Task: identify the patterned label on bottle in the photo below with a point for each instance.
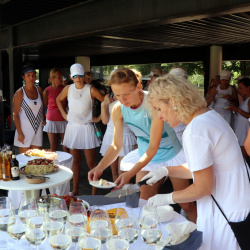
(15, 171)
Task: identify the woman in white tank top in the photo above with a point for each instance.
(28, 112)
(226, 95)
(80, 133)
(241, 125)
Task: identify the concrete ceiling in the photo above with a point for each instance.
(104, 29)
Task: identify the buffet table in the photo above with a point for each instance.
(63, 159)
(138, 244)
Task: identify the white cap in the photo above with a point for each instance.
(76, 69)
(225, 75)
(178, 72)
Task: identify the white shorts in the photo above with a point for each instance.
(129, 161)
(55, 126)
(80, 136)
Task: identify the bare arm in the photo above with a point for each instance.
(41, 94)
(240, 111)
(105, 109)
(247, 143)
(96, 94)
(203, 185)
(59, 101)
(115, 148)
(17, 101)
(45, 97)
(181, 172)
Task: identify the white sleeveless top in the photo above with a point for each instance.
(31, 111)
(80, 104)
(220, 103)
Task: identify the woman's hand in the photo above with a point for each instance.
(94, 174)
(155, 175)
(21, 137)
(44, 122)
(65, 116)
(123, 179)
(161, 200)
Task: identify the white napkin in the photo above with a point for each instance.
(178, 232)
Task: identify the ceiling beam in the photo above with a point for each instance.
(97, 17)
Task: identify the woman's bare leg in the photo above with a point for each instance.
(91, 162)
(53, 141)
(76, 168)
(190, 207)
(146, 190)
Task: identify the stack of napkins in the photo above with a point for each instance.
(165, 213)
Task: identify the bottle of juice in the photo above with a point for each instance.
(6, 167)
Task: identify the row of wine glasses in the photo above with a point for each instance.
(76, 227)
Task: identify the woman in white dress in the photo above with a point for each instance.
(224, 97)
(242, 113)
(214, 161)
(80, 133)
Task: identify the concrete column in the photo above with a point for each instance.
(215, 61)
(85, 61)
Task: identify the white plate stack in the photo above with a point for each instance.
(165, 213)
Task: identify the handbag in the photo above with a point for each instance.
(240, 229)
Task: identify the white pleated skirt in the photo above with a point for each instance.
(133, 157)
(55, 126)
(129, 142)
(80, 136)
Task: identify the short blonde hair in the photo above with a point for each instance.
(53, 73)
(184, 97)
(125, 75)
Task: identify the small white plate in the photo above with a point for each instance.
(96, 184)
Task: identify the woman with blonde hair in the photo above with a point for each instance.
(55, 123)
(156, 148)
(214, 161)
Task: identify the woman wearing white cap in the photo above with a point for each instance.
(80, 133)
(28, 112)
(226, 95)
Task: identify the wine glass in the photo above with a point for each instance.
(151, 230)
(6, 210)
(60, 240)
(131, 233)
(16, 229)
(53, 226)
(146, 210)
(77, 214)
(89, 243)
(123, 217)
(75, 232)
(117, 244)
(35, 232)
(100, 225)
(27, 209)
(58, 209)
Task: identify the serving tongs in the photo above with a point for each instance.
(41, 177)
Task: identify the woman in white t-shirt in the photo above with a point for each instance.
(214, 161)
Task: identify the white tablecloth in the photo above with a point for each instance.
(137, 245)
(63, 158)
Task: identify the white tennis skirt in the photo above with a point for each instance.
(55, 126)
(80, 136)
(129, 142)
(133, 157)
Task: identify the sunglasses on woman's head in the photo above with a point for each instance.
(75, 76)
